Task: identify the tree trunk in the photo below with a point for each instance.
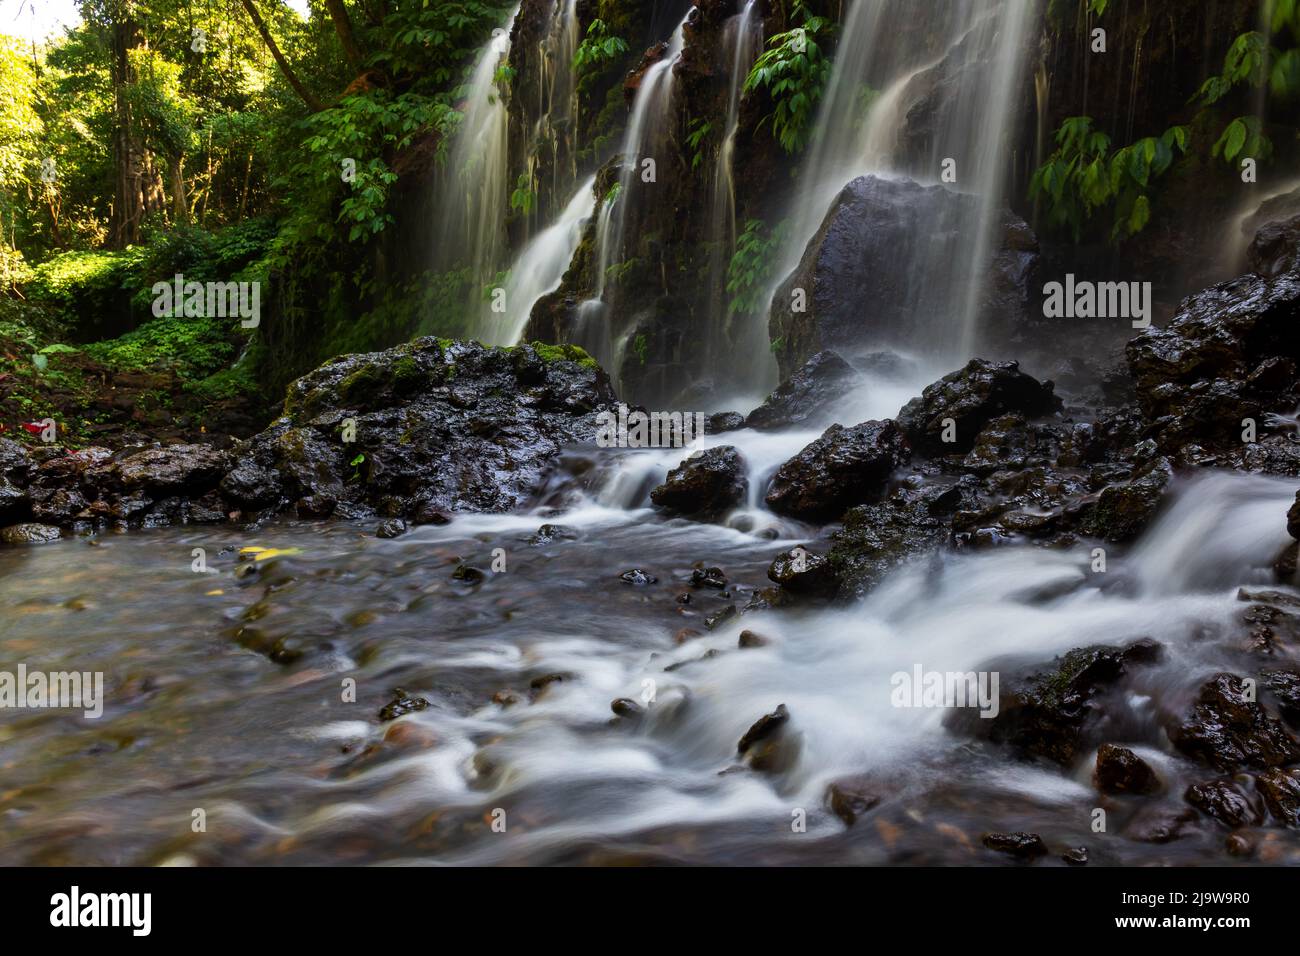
(305, 94)
(180, 200)
(343, 27)
(137, 190)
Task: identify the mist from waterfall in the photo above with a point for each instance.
(886, 66)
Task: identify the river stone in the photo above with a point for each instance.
(1223, 800)
(1281, 792)
(971, 398)
(807, 398)
(29, 533)
(173, 469)
(709, 483)
(1124, 510)
(1120, 770)
(1228, 732)
(1275, 248)
(842, 468)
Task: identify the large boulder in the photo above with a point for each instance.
(808, 396)
(1276, 248)
(844, 467)
(867, 276)
(1230, 353)
(967, 400)
(707, 484)
(451, 426)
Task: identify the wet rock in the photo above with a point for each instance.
(800, 571)
(1023, 846)
(540, 685)
(440, 426)
(174, 469)
(1120, 770)
(401, 704)
(722, 422)
(1228, 732)
(857, 273)
(709, 483)
(638, 578)
(1281, 792)
(550, 533)
(1224, 801)
(1239, 844)
(808, 397)
(719, 618)
(1076, 856)
(29, 533)
(686, 634)
(1227, 355)
(842, 468)
(971, 398)
(252, 486)
(763, 728)
(467, 574)
(1124, 510)
(851, 798)
(392, 528)
(1284, 686)
(878, 538)
(316, 506)
(751, 639)
(14, 502)
(1293, 518)
(627, 708)
(1004, 444)
(708, 577)
(1276, 248)
(57, 507)
(1160, 823)
(1049, 713)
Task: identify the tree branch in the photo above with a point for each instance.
(343, 27)
(314, 104)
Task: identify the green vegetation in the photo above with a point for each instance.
(793, 71)
(598, 47)
(750, 269)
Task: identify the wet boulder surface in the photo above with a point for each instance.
(707, 484)
(808, 396)
(844, 467)
(415, 431)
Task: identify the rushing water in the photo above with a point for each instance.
(286, 770)
(886, 63)
(472, 189)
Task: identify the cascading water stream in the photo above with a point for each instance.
(551, 142)
(981, 57)
(540, 267)
(472, 189)
(646, 126)
(742, 41)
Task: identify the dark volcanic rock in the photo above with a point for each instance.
(29, 533)
(1281, 792)
(800, 571)
(401, 704)
(1224, 801)
(877, 538)
(972, 397)
(851, 797)
(763, 728)
(1047, 713)
(808, 396)
(1293, 518)
(1228, 732)
(1023, 846)
(1124, 510)
(859, 273)
(1229, 354)
(708, 483)
(1275, 248)
(438, 426)
(1120, 770)
(844, 467)
(174, 469)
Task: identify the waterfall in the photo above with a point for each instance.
(645, 129)
(886, 60)
(742, 40)
(472, 190)
(540, 267)
(551, 145)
